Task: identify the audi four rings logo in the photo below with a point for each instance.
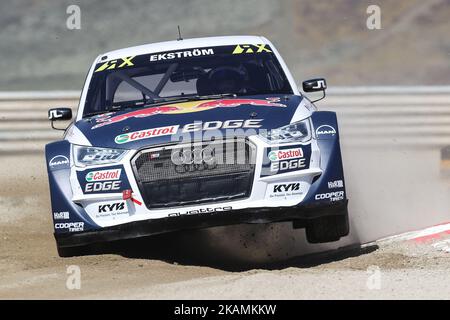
(193, 159)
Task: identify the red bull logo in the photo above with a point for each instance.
(185, 107)
(231, 103)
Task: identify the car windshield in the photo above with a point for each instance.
(187, 74)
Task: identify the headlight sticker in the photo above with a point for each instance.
(90, 156)
(285, 159)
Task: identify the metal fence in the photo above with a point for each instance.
(368, 117)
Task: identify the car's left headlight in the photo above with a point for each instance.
(90, 156)
(295, 132)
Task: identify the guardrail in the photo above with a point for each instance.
(368, 116)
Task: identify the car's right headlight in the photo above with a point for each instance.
(89, 156)
(299, 131)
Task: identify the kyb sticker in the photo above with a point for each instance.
(113, 207)
(285, 190)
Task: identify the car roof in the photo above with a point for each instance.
(182, 44)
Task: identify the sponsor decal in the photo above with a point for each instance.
(63, 215)
(191, 127)
(58, 162)
(117, 207)
(286, 159)
(116, 64)
(279, 188)
(185, 107)
(111, 209)
(70, 226)
(250, 48)
(285, 154)
(325, 130)
(182, 54)
(285, 190)
(229, 124)
(288, 165)
(103, 175)
(102, 186)
(335, 184)
(332, 196)
(201, 211)
(111, 179)
(145, 134)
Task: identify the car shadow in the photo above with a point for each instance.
(175, 248)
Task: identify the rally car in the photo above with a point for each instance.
(190, 134)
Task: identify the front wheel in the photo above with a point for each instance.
(327, 228)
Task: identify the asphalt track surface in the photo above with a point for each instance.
(393, 187)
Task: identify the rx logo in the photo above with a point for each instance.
(109, 65)
(245, 48)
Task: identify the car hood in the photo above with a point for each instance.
(157, 125)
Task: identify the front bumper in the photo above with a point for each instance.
(296, 194)
(200, 221)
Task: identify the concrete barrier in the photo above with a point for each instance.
(368, 117)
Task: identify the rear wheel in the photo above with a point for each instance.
(327, 229)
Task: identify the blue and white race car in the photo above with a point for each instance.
(192, 134)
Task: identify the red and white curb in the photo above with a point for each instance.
(424, 236)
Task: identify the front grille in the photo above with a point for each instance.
(195, 173)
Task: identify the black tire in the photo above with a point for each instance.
(327, 229)
(65, 252)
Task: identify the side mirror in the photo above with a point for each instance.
(59, 114)
(314, 85)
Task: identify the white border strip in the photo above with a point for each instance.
(416, 234)
(39, 95)
(333, 90)
(391, 90)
